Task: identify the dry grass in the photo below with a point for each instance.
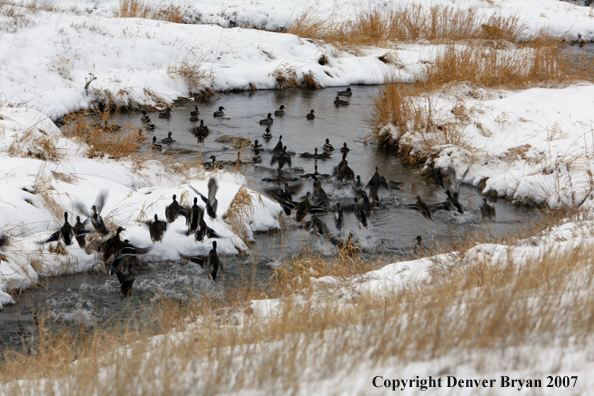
(191, 71)
(287, 77)
(240, 209)
(378, 27)
(144, 9)
(36, 143)
(101, 138)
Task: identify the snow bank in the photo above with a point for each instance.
(36, 192)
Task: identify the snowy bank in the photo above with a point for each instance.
(37, 192)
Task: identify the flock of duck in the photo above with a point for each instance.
(120, 256)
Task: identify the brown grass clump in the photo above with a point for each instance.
(378, 27)
(102, 138)
(36, 143)
(192, 73)
(142, 9)
(239, 210)
(286, 77)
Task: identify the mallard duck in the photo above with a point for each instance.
(419, 248)
(373, 196)
(157, 229)
(344, 172)
(165, 114)
(168, 139)
(358, 183)
(110, 247)
(80, 231)
(257, 158)
(202, 129)
(310, 115)
(304, 207)
(219, 113)
(364, 201)
(377, 180)
(347, 92)
(173, 210)
(344, 149)
(212, 164)
(360, 214)
(65, 233)
(256, 145)
(145, 118)
(279, 146)
(315, 155)
(194, 118)
(487, 211)
(95, 215)
(280, 111)
(453, 201)
(316, 225)
(195, 112)
(338, 216)
(283, 158)
(156, 146)
(211, 201)
(328, 146)
(267, 135)
(268, 120)
(316, 174)
(126, 282)
(195, 214)
(340, 102)
(424, 209)
(210, 263)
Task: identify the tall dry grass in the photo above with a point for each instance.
(148, 10)
(378, 27)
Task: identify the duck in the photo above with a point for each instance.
(283, 158)
(204, 231)
(364, 202)
(126, 282)
(157, 229)
(202, 129)
(80, 231)
(145, 118)
(173, 210)
(96, 219)
(156, 146)
(316, 225)
(315, 155)
(168, 139)
(256, 145)
(338, 216)
(347, 92)
(344, 172)
(212, 164)
(267, 135)
(328, 146)
(360, 214)
(487, 211)
(195, 214)
(194, 118)
(268, 120)
(284, 196)
(257, 158)
(165, 114)
(377, 180)
(111, 246)
(219, 113)
(304, 207)
(453, 202)
(423, 208)
(210, 263)
(419, 248)
(195, 112)
(149, 125)
(310, 115)
(280, 111)
(340, 102)
(344, 149)
(211, 201)
(65, 233)
(373, 195)
(320, 194)
(279, 146)
(358, 183)
(316, 174)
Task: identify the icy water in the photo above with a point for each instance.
(94, 297)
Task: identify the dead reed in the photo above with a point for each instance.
(144, 9)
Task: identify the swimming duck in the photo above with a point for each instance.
(212, 164)
(310, 115)
(268, 120)
(211, 201)
(219, 113)
(267, 135)
(145, 118)
(377, 180)
(358, 183)
(202, 129)
(347, 92)
(328, 146)
(66, 233)
(360, 214)
(126, 282)
(256, 145)
(338, 216)
(165, 114)
(257, 158)
(487, 211)
(195, 112)
(173, 210)
(315, 155)
(344, 149)
(156, 146)
(280, 111)
(194, 118)
(453, 201)
(157, 229)
(168, 139)
(195, 214)
(279, 146)
(340, 102)
(283, 158)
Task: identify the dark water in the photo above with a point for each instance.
(94, 297)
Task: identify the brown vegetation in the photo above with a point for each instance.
(147, 10)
